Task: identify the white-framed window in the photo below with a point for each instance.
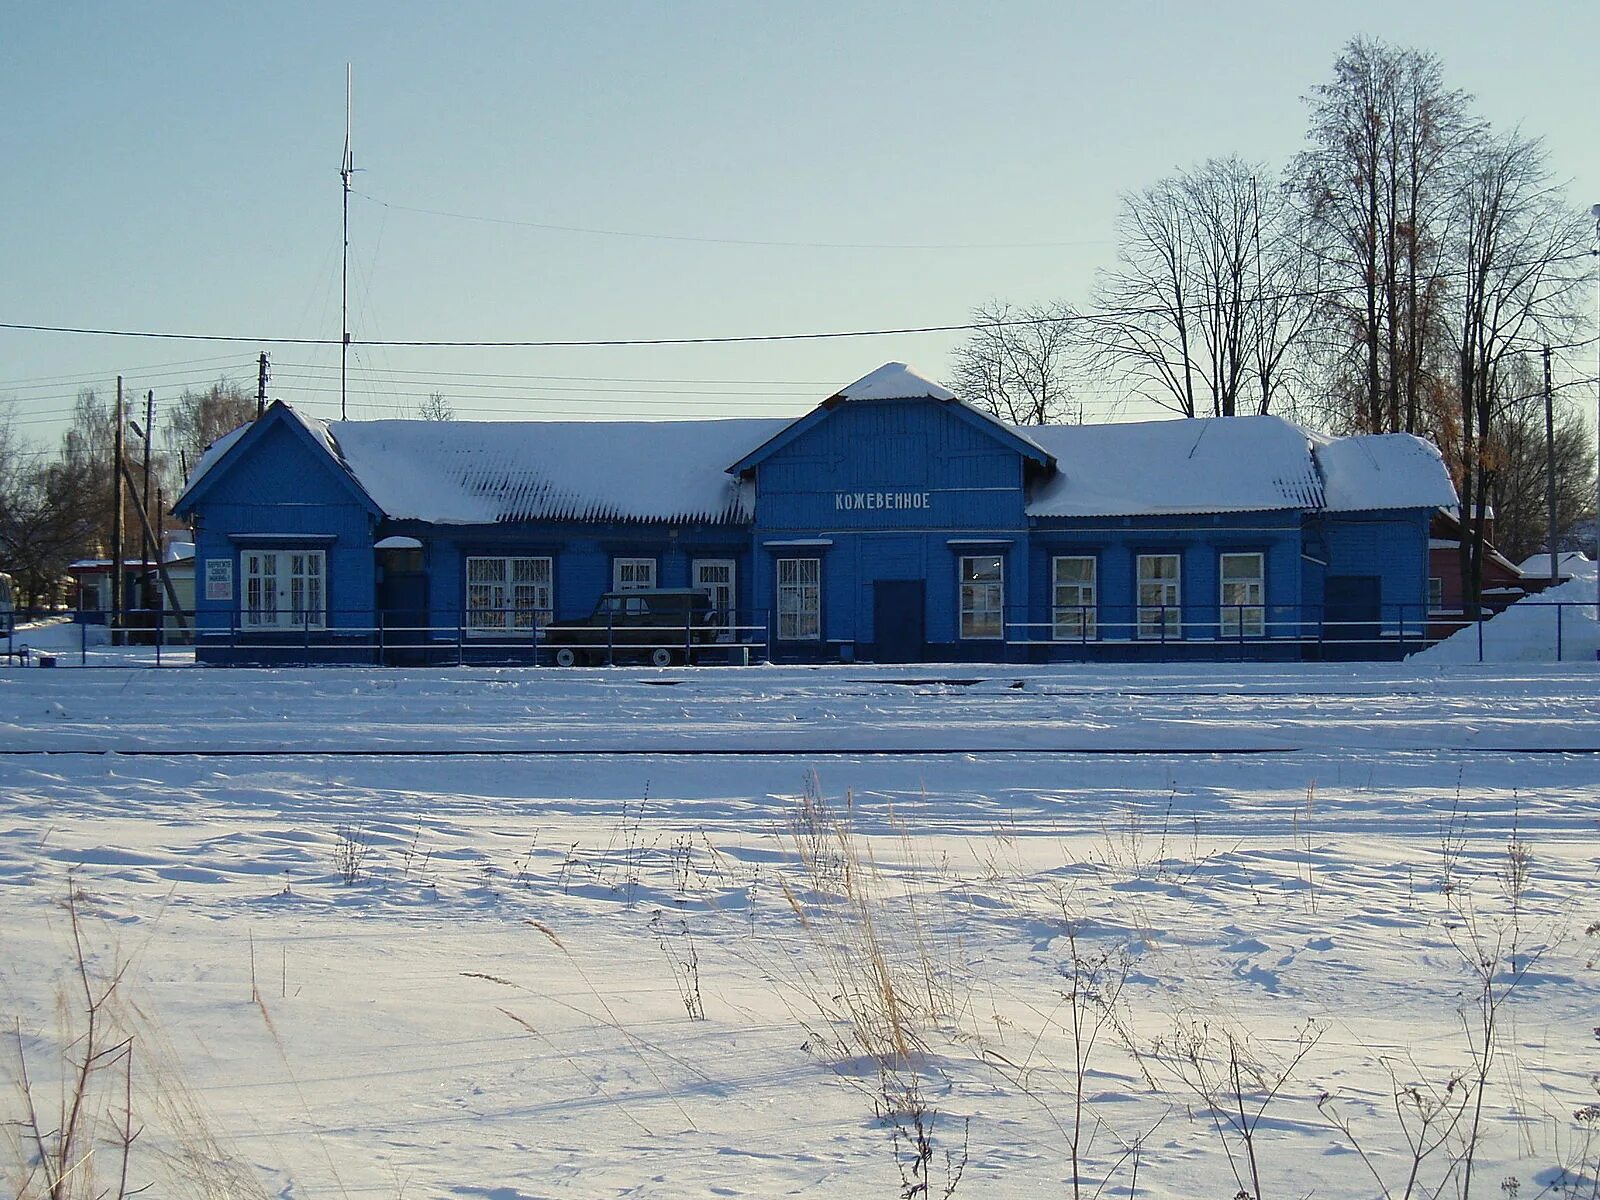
(1243, 590)
(715, 575)
(632, 574)
(1160, 590)
(983, 596)
(1435, 593)
(1073, 600)
(508, 595)
(799, 599)
(284, 589)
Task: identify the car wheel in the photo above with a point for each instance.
(661, 657)
(566, 656)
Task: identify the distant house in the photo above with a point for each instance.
(891, 523)
(92, 583)
(1503, 583)
(1535, 568)
(144, 599)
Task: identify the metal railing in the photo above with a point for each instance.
(1086, 632)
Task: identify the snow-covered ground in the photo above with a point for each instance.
(1556, 625)
(551, 868)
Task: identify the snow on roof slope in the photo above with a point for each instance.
(209, 459)
(482, 472)
(1216, 464)
(1382, 470)
(893, 381)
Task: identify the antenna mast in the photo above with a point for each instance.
(347, 167)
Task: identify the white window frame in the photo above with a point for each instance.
(632, 574)
(1160, 617)
(723, 590)
(508, 595)
(1436, 593)
(1242, 598)
(283, 587)
(1074, 603)
(799, 596)
(983, 600)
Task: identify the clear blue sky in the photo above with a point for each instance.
(175, 167)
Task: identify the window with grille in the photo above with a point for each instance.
(1243, 589)
(1073, 578)
(284, 589)
(508, 595)
(982, 596)
(799, 599)
(632, 574)
(1159, 593)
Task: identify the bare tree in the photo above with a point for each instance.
(1375, 183)
(1205, 305)
(1516, 447)
(196, 419)
(43, 527)
(436, 408)
(1016, 365)
(1518, 250)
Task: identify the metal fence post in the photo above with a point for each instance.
(1559, 607)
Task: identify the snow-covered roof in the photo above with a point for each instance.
(1568, 563)
(1382, 470)
(1220, 464)
(894, 381)
(476, 473)
(483, 472)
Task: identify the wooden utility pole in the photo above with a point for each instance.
(115, 615)
(144, 491)
(1550, 466)
(261, 386)
(161, 568)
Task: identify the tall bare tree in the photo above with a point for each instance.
(1518, 252)
(1376, 186)
(1519, 453)
(1205, 303)
(1017, 366)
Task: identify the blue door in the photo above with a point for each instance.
(1353, 608)
(403, 617)
(897, 620)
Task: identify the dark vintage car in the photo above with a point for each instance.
(660, 626)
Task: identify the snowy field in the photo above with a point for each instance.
(509, 934)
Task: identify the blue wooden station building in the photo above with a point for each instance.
(892, 523)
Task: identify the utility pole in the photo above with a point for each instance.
(116, 519)
(1550, 465)
(261, 386)
(347, 168)
(144, 492)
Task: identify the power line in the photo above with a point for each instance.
(599, 378)
(1066, 317)
(527, 344)
(150, 371)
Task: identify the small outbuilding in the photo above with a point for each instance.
(892, 523)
